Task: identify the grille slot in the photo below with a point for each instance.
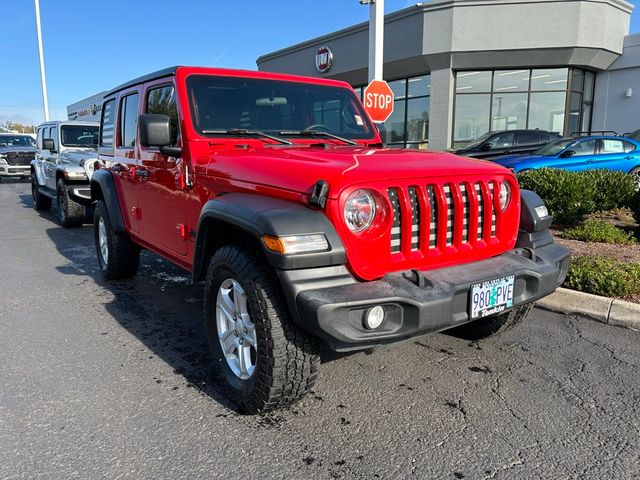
(396, 230)
(433, 217)
(415, 218)
(467, 217)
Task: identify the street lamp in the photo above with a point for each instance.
(43, 79)
(376, 37)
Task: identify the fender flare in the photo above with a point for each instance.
(258, 215)
(104, 188)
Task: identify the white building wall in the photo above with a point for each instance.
(612, 108)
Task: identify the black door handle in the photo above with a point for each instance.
(144, 173)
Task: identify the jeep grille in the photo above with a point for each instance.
(443, 215)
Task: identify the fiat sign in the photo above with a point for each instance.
(324, 59)
(378, 100)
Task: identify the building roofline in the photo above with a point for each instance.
(418, 9)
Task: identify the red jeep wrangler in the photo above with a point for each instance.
(276, 191)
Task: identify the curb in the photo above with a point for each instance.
(603, 309)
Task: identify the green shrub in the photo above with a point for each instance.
(611, 189)
(603, 276)
(599, 231)
(569, 196)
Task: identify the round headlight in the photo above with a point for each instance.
(505, 195)
(359, 211)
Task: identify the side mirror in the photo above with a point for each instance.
(567, 153)
(155, 131)
(486, 147)
(47, 144)
(382, 130)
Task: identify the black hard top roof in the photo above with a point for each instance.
(165, 72)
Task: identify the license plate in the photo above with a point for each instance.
(491, 297)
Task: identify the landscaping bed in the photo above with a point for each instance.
(599, 211)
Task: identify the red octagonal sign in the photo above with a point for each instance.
(378, 100)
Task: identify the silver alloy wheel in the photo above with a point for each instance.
(102, 241)
(236, 331)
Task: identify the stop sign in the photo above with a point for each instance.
(378, 100)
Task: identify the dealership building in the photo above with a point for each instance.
(460, 68)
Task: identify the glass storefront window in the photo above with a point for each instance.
(419, 86)
(395, 124)
(471, 116)
(418, 120)
(473, 82)
(588, 85)
(399, 88)
(546, 111)
(549, 79)
(575, 109)
(509, 111)
(577, 80)
(511, 81)
(522, 99)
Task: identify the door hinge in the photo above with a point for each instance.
(136, 213)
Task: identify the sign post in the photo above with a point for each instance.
(378, 100)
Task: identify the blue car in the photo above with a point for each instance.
(581, 153)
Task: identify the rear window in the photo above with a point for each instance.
(108, 123)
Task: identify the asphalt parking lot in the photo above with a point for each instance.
(112, 380)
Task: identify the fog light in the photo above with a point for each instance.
(374, 317)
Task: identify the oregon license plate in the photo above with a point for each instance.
(491, 297)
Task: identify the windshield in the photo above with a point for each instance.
(554, 148)
(17, 141)
(478, 141)
(230, 103)
(79, 135)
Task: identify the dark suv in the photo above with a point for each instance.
(16, 152)
(506, 142)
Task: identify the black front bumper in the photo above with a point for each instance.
(331, 304)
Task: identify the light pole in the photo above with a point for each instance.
(376, 38)
(43, 78)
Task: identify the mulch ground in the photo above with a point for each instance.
(624, 253)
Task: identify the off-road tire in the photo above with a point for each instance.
(287, 359)
(123, 256)
(40, 202)
(495, 325)
(70, 213)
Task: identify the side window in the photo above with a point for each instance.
(629, 147)
(39, 138)
(128, 121)
(612, 146)
(162, 100)
(108, 123)
(528, 138)
(502, 140)
(585, 147)
(53, 134)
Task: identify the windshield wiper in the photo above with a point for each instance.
(318, 133)
(244, 132)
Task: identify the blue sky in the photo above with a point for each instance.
(91, 46)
